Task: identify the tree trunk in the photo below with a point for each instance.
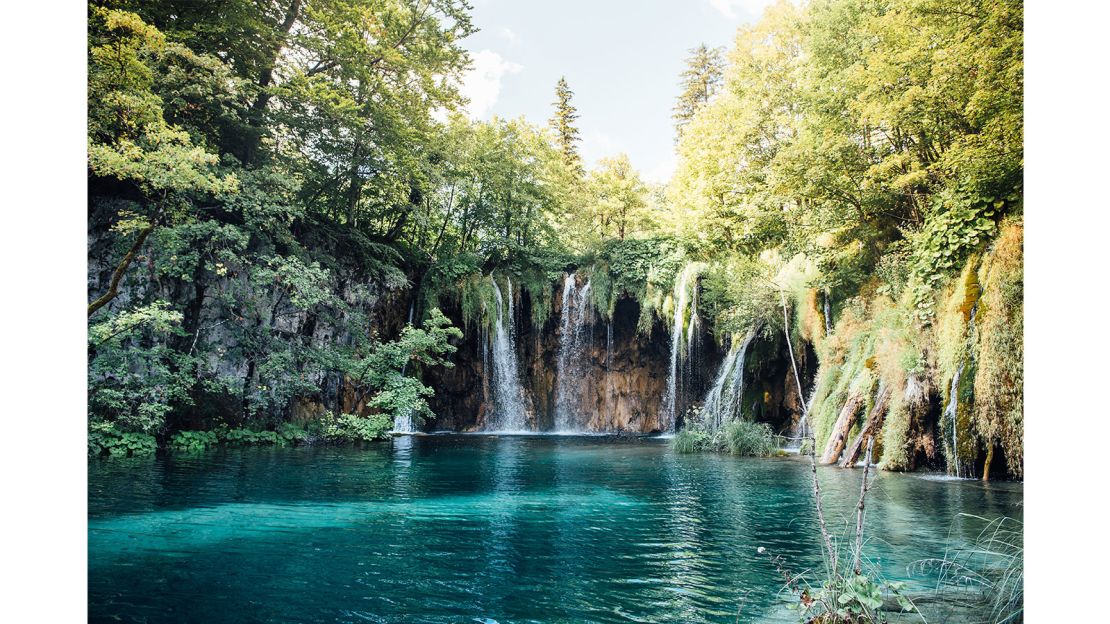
(987, 462)
(117, 275)
(840, 430)
(267, 76)
(870, 428)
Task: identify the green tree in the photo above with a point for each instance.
(563, 124)
(699, 81)
(619, 198)
(130, 140)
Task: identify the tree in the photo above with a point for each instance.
(566, 133)
(619, 196)
(700, 81)
(130, 140)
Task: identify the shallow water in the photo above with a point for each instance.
(449, 528)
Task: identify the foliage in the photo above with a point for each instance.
(191, 441)
(642, 269)
(135, 379)
(106, 439)
(563, 125)
(999, 371)
(692, 441)
(379, 372)
(744, 437)
(618, 199)
(699, 81)
(347, 428)
(740, 437)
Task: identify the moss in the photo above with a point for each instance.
(1000, 373)
(950, 329)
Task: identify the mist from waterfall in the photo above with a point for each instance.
(509, 399)
(723, 402)
(573, 352)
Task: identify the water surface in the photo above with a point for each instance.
(515, 528)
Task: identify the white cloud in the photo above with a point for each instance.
(508, 35)
(750, 8)
(481, 84)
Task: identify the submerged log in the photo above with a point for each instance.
(871, 427)
(840, 430)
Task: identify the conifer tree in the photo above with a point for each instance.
(700, 81)
(566, 132)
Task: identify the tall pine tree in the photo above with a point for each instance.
(566, 133)
(700, 81)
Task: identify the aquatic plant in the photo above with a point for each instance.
(744, 437)
(691, 440)
(992, 567)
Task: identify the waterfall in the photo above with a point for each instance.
(723, 402)
(608, 343)
(681, 299)
(571, 360)
(402, 423)
(950, 412)
(508, 393)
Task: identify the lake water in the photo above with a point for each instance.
(450, 528)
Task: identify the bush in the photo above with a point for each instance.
(248, 437)
(193, 440)
(692, 441)
(354, 428)
(747, 438)
(106, 439)
(740, 437)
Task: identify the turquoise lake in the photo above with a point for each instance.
(453, 528)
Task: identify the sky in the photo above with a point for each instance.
(621, 58)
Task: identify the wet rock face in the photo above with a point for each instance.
(618, 384)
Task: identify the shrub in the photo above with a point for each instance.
(248, 437)
(192, 440)
(739, 437)
(354, 428)
(692, 441)
(747, 438)
(106, 439)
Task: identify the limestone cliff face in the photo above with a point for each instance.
(618, 381)
(619, 378)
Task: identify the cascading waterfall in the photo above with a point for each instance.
(951, 411)
(402, 423)
(723, 402)
(572, 354)
(509, 412)
(681, 298)
(608, 343)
